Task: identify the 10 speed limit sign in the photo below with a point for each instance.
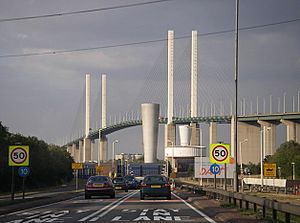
(219, 153)
(18, 156)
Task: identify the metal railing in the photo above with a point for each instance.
(244, 200)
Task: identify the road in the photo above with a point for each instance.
(126, 207)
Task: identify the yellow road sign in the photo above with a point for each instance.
(18, 156)
(77, 166)
(219, 153)
(270, 169)
(99, 169)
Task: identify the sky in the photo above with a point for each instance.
(43, 61)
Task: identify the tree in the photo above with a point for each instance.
(287, 153)
(49, 164)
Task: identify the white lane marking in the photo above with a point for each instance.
(113, 207)
(42, 206)
(105, 207)
(195, 209)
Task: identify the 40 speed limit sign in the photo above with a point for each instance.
(219, 153)
(18, 156)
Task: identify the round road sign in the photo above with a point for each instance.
(215, 169)
(23, 171)
(219, 153)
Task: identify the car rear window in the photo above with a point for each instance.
(155, 179)
(129, 177)
(98, 179)
(118, 180)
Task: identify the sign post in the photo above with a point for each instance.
(76, 167)
(215, 169)
(23, 172)
(220, 154)
(17, 156)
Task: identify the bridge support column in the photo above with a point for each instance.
(212, 133)
(170, 140)
(251, 149)
(93, 151)
(70, 150)
(103, 147)
(269, 136)
(81, 151)
(87, 144)
(195, 136)
(76, 152)
(292, 130)
(170, 135)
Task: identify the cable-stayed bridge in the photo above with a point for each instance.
(179, 105)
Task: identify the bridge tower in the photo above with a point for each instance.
(86, 154)
(170, 128)
(103, 145)
(195, 131)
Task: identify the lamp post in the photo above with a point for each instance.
(113, 154)
(172, 161)
(279, 172)
(262, 147)
(293, 170)
(261, 157)
(201, 166)
(241, 161)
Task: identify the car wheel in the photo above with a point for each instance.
(113, 196)
(126, 190)
(87, 196)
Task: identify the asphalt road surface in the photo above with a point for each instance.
(126, 207)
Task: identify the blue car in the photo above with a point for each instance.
(131, 182)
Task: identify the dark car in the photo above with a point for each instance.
(99, 185)
(155, 186)
(120, 183)
(132, 182)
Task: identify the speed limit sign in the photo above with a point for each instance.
(18, 156)
(219, 153)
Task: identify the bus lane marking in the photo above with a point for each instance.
(107, 208)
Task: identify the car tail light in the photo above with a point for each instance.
(89, 184)
(167, 185)
(145, 185)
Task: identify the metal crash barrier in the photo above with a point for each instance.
(244, 200)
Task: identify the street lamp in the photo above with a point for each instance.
(279, 172)
(241, 161)
(261, 157)
(262, 147)
(293, 170)
(113, 154)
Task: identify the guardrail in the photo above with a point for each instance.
(244, 200)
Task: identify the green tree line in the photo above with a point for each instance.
(285, 155)
(49, 164)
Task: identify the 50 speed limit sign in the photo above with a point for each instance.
(219, 153)
(18, 156)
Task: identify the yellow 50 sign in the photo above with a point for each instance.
(219, 153)
(18, 156)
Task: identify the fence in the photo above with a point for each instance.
(244, 200)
